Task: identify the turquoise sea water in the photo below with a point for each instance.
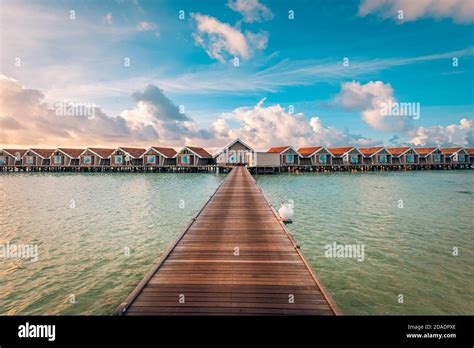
(408, 223)
(98, 234)
(97, 251)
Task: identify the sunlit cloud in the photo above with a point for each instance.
(462, 11)
(251, 10)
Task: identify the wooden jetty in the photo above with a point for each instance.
(235, 258)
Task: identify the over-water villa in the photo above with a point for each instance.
(315, 156)
(11, 157)
(193, 156)
(429, 155)
(157, 156)
(125, 156)
(345, 155)
(470, 152)
(455, 155)
(289, 156)
(275, 159)
(66, 157)
(377, 155)
(94, 156)
(403, 155)
(37, 157)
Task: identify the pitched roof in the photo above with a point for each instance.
(369, 151)
(238, 140)
(13, 152)
(397, 151)
(165, 151)
(199, 151)
(339, 151)
(278, 149)
(101, 152)
(424, 150)
(133, 151)
(308, 151)
(450, 150)
(470, 150)
(45, 153)
(71, 153)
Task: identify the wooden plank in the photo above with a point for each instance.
(235, 258)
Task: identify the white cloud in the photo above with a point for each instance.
(257, 40)
(462, 11)
(221, 128)
(461, 134)
(222, 39)
(251, 10)
(108, 18)
(42, 31)
(27, 120)
(288, 73)
(369, 99)
(155, 109)
(146, 26)
(262, 126)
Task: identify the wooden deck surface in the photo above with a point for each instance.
(235, 258)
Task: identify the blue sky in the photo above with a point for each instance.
(289, 62)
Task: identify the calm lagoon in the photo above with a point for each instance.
(408, 223)
(98, 234)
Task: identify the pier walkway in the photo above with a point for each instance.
(235, 258)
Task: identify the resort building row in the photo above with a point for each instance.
(237, 153)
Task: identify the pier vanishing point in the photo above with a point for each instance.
(235, 258)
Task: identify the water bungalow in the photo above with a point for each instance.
(289, 156)
(346, 155)
(273, 160)
(93, 156)
(157, 156)
(66, 157)
(4, 158)
(470, 153)
(37, 157)
(377, 155)
(429, 155)
(127, 156)
(455, 155)
(403, 155)
(11, 157)
(193, 156)
(314, 156)
(234, 153)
